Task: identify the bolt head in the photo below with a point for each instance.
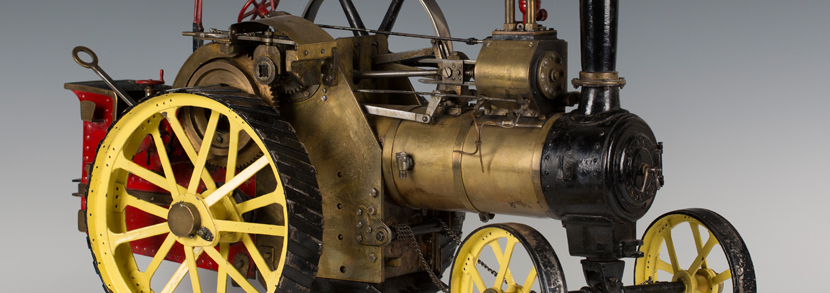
(359, 212)
(359, 237)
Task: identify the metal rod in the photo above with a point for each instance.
(509, 13)
(434, 94)
(423, 228)
(669, 287)
(662, 287)
(531, 11)
(353, 17)
(468, 41)
(394, 73)
(391, 15)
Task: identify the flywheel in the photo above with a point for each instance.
(508, 257)
(679, 246)
(206, 223)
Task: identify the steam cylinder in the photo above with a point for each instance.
(564, 165)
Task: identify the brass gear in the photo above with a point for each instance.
(226, 73)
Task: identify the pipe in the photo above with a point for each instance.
(509, 14)
(598, 37)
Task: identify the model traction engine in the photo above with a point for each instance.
(289, 161)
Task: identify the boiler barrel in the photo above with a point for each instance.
(555, 167)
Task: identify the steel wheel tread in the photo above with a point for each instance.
(296, 181)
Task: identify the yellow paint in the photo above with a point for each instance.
(697, 276)
(109, 238)
(466, 273)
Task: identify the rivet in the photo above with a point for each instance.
(359, 237)
(324, 98)
(359, 212)
(373, 192)
(359, 224)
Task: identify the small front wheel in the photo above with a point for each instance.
(702, 272)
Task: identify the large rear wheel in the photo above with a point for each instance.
(262, 221)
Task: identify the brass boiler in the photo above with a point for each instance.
(549, 167)
(501, 178)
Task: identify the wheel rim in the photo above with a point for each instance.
(506, 242)
(697, 263)
(221, 226)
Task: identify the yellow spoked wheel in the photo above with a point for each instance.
(200, 213)
(679, 246)
(490, 260)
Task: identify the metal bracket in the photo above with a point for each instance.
(369, 229)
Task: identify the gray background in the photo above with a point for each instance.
(736, 90)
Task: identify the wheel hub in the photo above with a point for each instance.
(184, 219)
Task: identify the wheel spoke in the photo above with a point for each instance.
(222, 279)
(187, 146)
(165, 161)
(698, 242)
(250, 228)
(664, 266)
(230, 270)
(237, 180)
(704, 252)
(256, 203)
(504, 261)
(204, 151)
(499, 255)
(473, 273)
(531, 278)
(723, 276)
(259, 261)
(233, 152)
(160, 255)
(144, 206)
(180, 272)
(672, 255)
(117, 239)
(144, 173)
(192, 269)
